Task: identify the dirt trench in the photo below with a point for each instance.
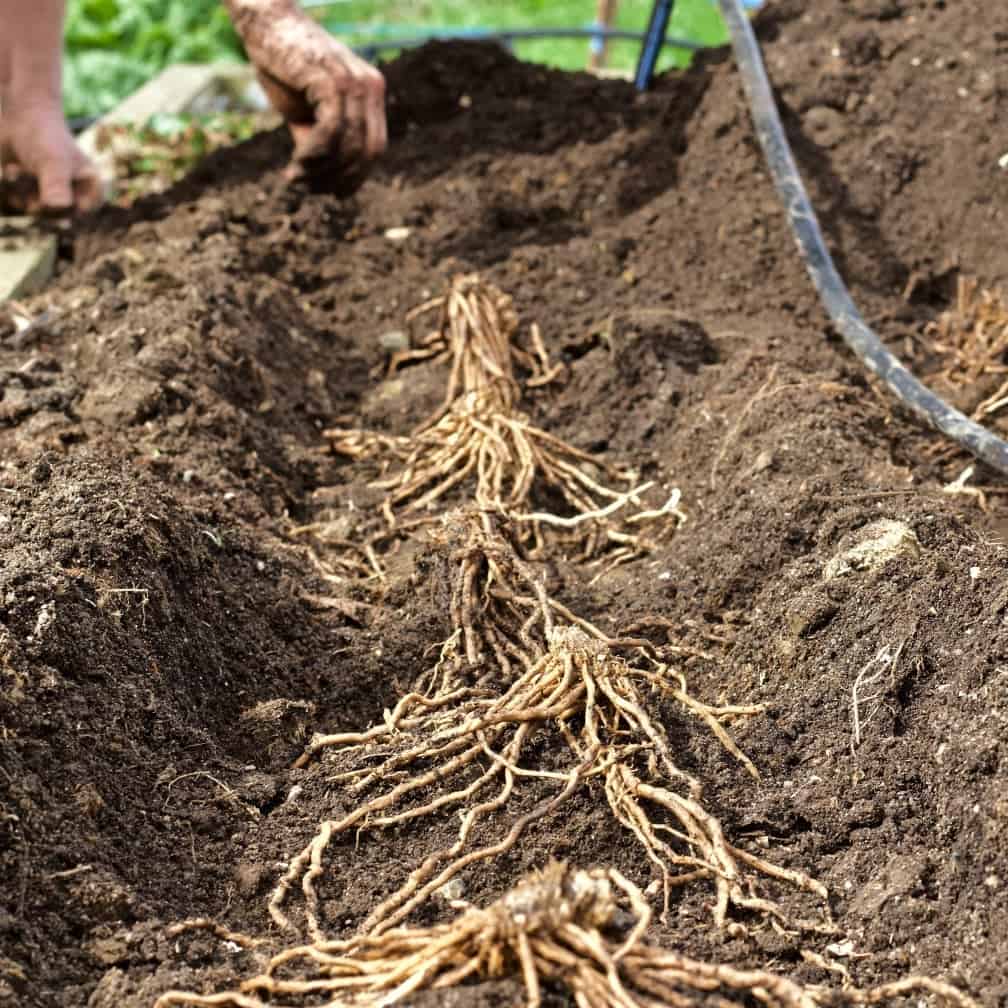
(167, 644)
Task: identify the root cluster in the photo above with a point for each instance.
(480, 440)
(461, 746)
(582, 930)
(477, 331)
(527, 705)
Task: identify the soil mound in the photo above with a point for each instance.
(171, 631)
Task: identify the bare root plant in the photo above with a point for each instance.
(477, 331)
(458, 744)
(478, 437)
(581, 930)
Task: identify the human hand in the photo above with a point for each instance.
(332, 100)
(41, 167)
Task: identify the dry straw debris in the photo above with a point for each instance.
(972, 341)
(581, 930)
(458, 744)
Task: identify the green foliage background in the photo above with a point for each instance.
(115, 46)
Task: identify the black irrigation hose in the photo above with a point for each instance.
(835, 296)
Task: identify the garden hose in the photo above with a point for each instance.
(856, 333)
(371, 46)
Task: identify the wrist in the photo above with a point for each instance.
(30, 99)
(31, 57)
(30, 82)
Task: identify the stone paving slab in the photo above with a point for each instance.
(27, 257)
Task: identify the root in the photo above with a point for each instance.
(478, 331)
(582, 930)
(478, 440)
(458, 744)
(501, 458)
(501, 614)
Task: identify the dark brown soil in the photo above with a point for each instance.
(163, 649)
